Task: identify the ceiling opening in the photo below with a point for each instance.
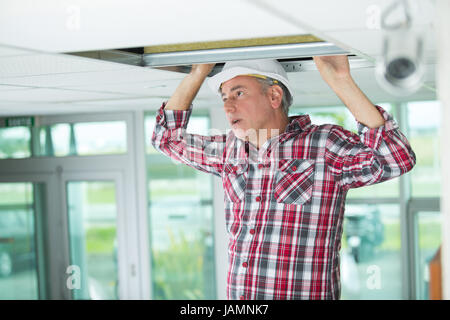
(294, 53)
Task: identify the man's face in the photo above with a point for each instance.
(247, 107)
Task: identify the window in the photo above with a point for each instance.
(93, 238)
(15, 142)
(371, 252)
(83, 139)
(181, 223)
(64, 139)
(424, 136)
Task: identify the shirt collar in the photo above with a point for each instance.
(298, 123)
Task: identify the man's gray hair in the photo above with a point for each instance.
(267, 83)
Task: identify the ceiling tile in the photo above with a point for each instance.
(125, 75)
(150, 88)
(54, 95)
(44, 64)
(6, 51)
(8, 87)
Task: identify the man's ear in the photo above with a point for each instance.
(276, 96)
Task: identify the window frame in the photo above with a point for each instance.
(219, 238)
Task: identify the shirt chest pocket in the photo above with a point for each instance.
(294, 181)
(235, 181)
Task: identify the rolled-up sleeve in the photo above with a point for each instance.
(373, 155)
(204, 153)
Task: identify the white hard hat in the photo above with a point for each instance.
(268, 68)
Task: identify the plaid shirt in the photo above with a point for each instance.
(284, 203)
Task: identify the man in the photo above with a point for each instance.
(285, 180)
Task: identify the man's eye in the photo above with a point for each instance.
(239, 93)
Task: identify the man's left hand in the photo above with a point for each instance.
(333, 68)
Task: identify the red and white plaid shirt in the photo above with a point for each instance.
(284, 203)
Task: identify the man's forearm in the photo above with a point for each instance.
(335, 70)
(188, 88)
(356, 101)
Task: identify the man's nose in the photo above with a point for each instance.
(229, 106)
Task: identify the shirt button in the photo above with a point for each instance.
(242, 298)
(252, 231)
(294, 168)
(245, 265)
(258, 199)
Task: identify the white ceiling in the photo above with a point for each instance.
(37, 77)
(84, 25)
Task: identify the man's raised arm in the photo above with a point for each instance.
(335, 70)
(380, 151)
(188, 88)
(204, 153)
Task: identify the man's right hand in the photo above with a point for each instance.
(202, 69)
(188, 88)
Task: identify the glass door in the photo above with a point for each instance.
(86, 165)
(93, 204)
(22, 210)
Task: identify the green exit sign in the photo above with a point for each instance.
(16, 122)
